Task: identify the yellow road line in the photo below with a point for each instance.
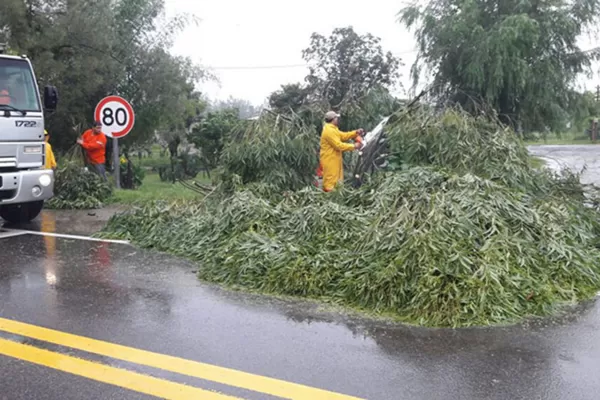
(106, 374)
(226, 376)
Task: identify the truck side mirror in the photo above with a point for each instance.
(50, 98)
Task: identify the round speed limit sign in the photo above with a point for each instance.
(116, 115)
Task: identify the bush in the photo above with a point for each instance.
(77, 188)
(466, 232)
(132, 175)
(184, 166)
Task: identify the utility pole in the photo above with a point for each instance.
(597, 92)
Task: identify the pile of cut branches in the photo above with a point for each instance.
(465, 231)
(76, 188)
(276, 150)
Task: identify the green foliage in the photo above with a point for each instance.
(210, 135)
(184, 166)
(466, 232)
(584, 108)
(132, 175)
(520, 58)
(433, 247)
(291, 97)
(345, 65)
(366, 113)
(462, 144)
(77, 188)
(273, 150)
(348, 72)
(129, 58)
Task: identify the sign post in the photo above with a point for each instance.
(117, 118)
(116, 162)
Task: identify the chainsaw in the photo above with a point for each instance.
(369, 151)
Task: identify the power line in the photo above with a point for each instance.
(261, 67)
(251, 67)
(288, 66)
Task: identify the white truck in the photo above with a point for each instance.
(24, 182)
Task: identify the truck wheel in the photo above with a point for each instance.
(21, 213)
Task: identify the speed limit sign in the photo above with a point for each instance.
(117, 119)
(116, 115)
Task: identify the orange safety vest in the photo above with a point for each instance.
(95, 147)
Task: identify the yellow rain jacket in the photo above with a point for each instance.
(332, 147)
(50, 160)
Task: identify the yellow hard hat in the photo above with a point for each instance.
(45, 132)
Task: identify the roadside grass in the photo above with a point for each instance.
(153, 189)
(152, 161)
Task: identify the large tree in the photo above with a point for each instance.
(345, 66)
(349, 73)
(91, 49)
(518, 57)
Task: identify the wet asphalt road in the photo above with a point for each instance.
(120, 294)
(574, 157)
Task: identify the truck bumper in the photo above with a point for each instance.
(26, 186)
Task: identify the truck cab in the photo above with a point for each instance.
(24, 182)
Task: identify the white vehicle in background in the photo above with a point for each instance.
(24, 183)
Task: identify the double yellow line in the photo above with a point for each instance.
(144, 383)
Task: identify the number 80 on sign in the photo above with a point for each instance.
(116, 115)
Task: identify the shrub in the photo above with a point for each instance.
(184, 166)
(132, 175)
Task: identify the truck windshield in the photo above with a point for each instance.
(17, 87)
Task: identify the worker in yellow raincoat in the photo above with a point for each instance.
(50, 160)
(332, 147)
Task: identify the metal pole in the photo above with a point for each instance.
(116, 163)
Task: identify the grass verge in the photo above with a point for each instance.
(153, 189)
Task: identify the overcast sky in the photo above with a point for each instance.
(259, 33)
(235, 37)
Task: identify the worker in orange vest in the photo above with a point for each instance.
(93, 141)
